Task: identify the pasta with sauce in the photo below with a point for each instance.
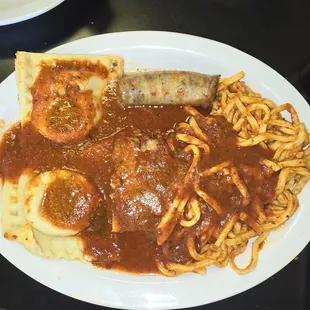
(259, 124)
(150, 190)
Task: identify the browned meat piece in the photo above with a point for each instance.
(145, 172)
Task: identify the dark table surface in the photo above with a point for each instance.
(276, 32)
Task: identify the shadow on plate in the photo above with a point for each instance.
(55, 27)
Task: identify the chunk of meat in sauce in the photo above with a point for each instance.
(145, 172)
(146, 166)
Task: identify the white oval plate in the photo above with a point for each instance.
(14, 11)
(108, 288)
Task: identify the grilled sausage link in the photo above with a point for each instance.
(168, 88)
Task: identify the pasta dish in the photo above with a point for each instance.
(162, 172)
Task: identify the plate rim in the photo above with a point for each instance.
(260, 63)
(23, 17)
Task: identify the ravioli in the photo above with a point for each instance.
(33, 217)
(62, 95)
(60, 202)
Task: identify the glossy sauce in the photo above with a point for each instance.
(137, 251)
(61, 111)
(69, 201)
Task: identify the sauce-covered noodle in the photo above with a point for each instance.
(180, 188)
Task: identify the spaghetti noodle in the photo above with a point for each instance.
(257, 121)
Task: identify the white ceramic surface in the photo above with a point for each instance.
(81, 281)
(14, 11)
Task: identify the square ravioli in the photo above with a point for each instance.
(62, 95)
(16, 227)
